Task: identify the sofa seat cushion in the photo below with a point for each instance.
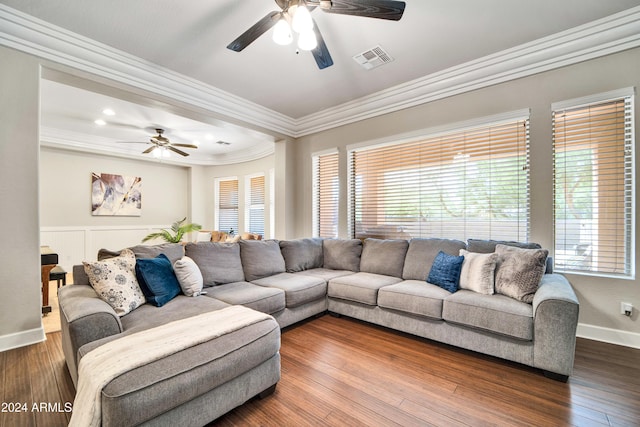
(266, 300)
(496, 313)
(360, 287)
(298, 288)
(155, 388)
(415, 297)
(325, 273)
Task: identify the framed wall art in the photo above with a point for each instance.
(116, 195)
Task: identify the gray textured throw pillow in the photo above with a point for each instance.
(520, 271)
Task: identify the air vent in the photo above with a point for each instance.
(373, 58)
(223, 143)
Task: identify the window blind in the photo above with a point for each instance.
(593, 187)
(228, 205)
(326, 195)
(256, 205)
(471, 183)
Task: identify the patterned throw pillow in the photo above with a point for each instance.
(114, 280)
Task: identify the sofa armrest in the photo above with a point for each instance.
(84, 318)
(555, 312)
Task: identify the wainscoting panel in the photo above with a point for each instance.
(76, 244)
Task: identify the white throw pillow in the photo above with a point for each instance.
(114, 280)
(478, 272)
(189, 276)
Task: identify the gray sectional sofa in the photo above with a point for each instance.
(378, 281)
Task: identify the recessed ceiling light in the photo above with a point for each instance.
(100, 122)
(108, 112)
(208, 137)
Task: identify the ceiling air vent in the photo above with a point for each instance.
(372, 58)
(223, 143)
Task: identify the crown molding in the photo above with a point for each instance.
(39, 38)
(75, 141)
(602, 37)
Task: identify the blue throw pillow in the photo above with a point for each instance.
(445, 271)
(157, 279)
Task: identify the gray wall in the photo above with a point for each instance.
(20, 312)
(599, 297)
(65, 189)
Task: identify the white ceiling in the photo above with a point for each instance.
(190, 38)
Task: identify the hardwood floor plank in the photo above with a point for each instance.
(47, 405)
(18, 389)
(342, 372)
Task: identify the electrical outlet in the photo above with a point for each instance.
(626, 308)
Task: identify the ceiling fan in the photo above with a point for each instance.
(163, 143)
(288, 15)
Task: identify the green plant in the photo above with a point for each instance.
(178, 228)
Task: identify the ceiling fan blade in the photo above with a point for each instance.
(258, 29)
(185, 145)
(175, 150)
(150, 149)
(321, 52)
(382, 9)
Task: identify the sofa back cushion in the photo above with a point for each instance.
(219, 263)
(301, 254)
(173, 251)
(341, 254)
(261, 258)
(384, 256)
(422, 252)
(488, 246)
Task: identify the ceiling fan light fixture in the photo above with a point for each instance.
(307, 40)
(282, 33)
(301, 21)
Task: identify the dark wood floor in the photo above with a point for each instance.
(342, 372)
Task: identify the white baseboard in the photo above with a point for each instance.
(20, 339)
(611, 336)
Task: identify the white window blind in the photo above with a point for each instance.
(228, 205)
(256, 205)
(326, 195)
(472, 183)
(593, 187)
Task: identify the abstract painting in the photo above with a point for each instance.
(115, 195)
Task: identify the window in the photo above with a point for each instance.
(326, 186)
(255, 204)
(469, 182)
(227, 205)
(594, 185)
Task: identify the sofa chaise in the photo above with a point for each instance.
(384, 282)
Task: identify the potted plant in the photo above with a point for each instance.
(178, 229)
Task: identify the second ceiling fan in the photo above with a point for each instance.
(294, 14)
